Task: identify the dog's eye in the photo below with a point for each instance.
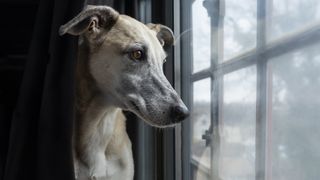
(136, 55)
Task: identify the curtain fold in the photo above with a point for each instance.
(41, 128)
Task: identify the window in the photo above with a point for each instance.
(251, 77)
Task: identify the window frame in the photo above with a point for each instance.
(259, 57)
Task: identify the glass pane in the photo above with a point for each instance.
(200, 118)
(240, 27)
(294, 119)
(201, 36)
(287, 16)
(237, 125)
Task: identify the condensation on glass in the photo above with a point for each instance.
(239, 28)
(237, 125)
(200, 37)
(200, 117)
(286, 140)
(289, 16)
(294, 116)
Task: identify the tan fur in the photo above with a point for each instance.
(108, 81)
(90, 119)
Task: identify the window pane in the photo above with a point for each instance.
(237, 125)
(240, 27)
(200, 118)
(287, 16)
(201, 36)
(294, 119)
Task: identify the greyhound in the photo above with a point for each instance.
(119, 68)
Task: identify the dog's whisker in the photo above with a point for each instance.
(181, 34)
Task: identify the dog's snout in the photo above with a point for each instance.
(179, 113)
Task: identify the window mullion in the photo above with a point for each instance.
(261, 114)
(186, 86)
(215, 10)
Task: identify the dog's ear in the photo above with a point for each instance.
(92, 20)
(164, 34)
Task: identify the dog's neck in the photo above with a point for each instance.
(93, 111)
(94, 114)
(86, 88)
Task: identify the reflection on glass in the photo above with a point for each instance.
(294, 119)
(200, 118)
(287, 16)
(237, 125)
(201, 36)
(240, 27)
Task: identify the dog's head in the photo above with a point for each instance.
(126, 60)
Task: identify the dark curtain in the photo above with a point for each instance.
(41, 127)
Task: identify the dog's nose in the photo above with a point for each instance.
(179, 113)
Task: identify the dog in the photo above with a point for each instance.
(119, 67)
